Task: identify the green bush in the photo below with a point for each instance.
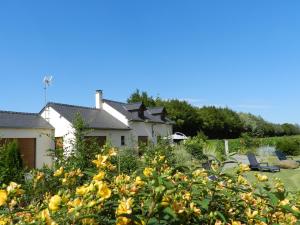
(11, 165)
(290, 146)
(127, 161)
(194, 146)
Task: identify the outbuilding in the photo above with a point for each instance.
(33, 134)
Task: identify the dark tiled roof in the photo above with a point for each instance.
(22, 120)
(123, 109)
(134, 106)
(157, 110)
(94, 118)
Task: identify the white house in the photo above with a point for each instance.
(33, 134)
(119, 123)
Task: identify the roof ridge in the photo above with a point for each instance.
(155, 107)
(21, 113)
(132, 103)
(69, 105)
(109, 100)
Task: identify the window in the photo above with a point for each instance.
(122, 140)
(59, 143)
(100, 140)
(142, 140)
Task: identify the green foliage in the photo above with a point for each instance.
(159, 193)
(11, 165)
(183, 114)
(138, 96)
(84, 147)
(290, 146)
(258, 127)
(215, 123)
(127, 161)
(220, 122)
(195, 146)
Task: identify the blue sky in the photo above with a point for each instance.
(240, 54)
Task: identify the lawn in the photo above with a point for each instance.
(291, 177)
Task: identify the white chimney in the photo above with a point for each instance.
(99, 99)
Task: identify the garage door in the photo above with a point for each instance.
(27, 149)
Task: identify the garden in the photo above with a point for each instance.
(160, 184)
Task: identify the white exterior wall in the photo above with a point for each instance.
(44, 142)
(63, 128)
(152, 130)
(119, 116)
(113, 136)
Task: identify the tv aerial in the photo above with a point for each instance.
(48, 80)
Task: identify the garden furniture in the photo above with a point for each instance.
(264, 166)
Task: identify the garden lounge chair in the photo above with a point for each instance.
(255, 165)
(207, 166)
(282, 156)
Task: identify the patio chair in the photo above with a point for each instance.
(282, 156)
(264, 166)
(207, 166)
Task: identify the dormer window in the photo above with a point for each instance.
(136, 109)
(159, 112)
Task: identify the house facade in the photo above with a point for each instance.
(33, 134)
(120, 124)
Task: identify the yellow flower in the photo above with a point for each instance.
(251, 214)
(236, 223)
(112, 152)
(261, 178)
(75, 203)
(200, 173)
(39, 176)
(161, 158)
(83, 190)
(45, 216)
(3, 197)
(194, 209)
(103, 191)
(242, 180)
(123, 221)
(284, 202)
(138, 181)
(187, 196)
(99, 176)
(89, 221)
(4, 220)
(243, 168)
(14, 187)
(125, 206)
(295, 209)
(100, 161)
(148, 172)
(59, 172)
(54, 203)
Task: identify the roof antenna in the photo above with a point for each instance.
(47, 82)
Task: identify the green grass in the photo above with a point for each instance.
(290, 177)
(241, 145)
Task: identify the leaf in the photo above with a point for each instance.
(205, 204)
(222, 216)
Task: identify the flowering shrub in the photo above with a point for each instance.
(156, 194)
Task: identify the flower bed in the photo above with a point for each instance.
(155, 194)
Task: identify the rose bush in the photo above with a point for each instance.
(155, 194)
